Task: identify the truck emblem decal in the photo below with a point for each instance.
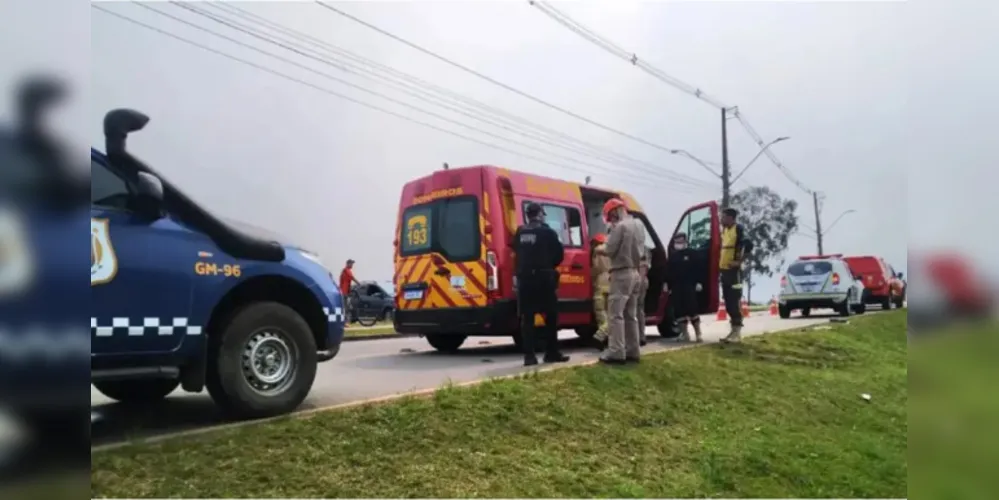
(16, 263)
(103, 262)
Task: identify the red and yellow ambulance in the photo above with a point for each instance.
(454, 267)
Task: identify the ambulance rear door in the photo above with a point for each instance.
(441, 242)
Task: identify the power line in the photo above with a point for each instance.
(327, 91)
(503, 85)
(677, 177)
(618, 51)
(416, 88)
(672, 81)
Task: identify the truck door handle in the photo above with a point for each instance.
(576, 266)
(442, 271)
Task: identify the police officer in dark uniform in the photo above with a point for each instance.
(683, 274)
(539, 253)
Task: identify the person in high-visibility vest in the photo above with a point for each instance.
(735, 248)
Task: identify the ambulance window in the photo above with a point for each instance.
(417, 227)
(458, 229)
(106, 188)
(566, 221)
(699, 229)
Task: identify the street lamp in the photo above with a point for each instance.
(845, 213)
(760, 153)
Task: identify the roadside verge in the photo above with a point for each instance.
(779, 415)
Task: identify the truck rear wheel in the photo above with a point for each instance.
(784, 311)
(446, 343)
(137, 391)
(264, 363)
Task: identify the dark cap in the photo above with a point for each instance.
(350, 261)
(731, 212)
(533, 210)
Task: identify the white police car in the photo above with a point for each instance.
(820, 282)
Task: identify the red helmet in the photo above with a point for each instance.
(611, 205)
(600, 238)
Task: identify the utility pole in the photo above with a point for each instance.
(818, 221)
(726, 174)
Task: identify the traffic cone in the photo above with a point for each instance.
(745, 308)
(773, 307)
(722, 313)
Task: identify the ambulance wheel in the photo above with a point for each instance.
(137, 391)
(785, 312)
(446, 343)
(860, 308)
(667, 329)
(586, 333)
(263, 364)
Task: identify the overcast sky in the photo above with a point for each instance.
(871, 94)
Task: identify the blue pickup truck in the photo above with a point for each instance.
(182, 298)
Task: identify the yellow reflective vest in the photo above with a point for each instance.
(733, 244)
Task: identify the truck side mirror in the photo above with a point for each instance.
(148, 199)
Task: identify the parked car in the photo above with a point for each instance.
(370, 302)
(882, 285)
(820, 282)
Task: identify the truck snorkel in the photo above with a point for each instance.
(118, 123)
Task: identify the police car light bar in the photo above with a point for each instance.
(817, 257)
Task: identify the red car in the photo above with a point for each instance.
(882, 285)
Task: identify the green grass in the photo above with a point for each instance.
(954, 437)
(778, 416)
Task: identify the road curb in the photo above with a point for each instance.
(422, 393)
(380, 336)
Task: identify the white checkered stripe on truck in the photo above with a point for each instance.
(336, 317)
(145, 326)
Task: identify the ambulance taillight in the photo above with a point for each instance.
(492, 278)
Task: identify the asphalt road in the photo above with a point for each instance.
(372, 369)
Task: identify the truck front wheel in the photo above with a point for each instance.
(264, 362)
(137, 391)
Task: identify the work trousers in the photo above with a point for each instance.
(600, 313)
(623, 311)
(731, 285)
(537, 293)
(643, 288)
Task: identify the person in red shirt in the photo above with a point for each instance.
(346, 279)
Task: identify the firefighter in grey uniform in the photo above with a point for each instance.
(539, 253)
(643, 288)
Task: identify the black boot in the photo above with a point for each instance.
(530, 360)
(556, 357)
